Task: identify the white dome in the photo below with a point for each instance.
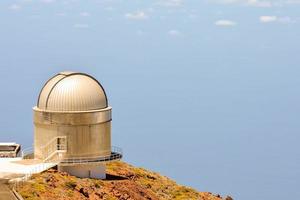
(71, 91)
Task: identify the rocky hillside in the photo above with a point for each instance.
(123, 182)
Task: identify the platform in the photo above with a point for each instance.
(16, 167)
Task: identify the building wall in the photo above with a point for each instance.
(89, 137)
(85, 171)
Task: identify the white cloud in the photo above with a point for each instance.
(293, 1)
(174, 33)
(85, 14)
(171, 3)
(192, 16)
(286, 20)
(257, 3)
(224, 22)
(61, 14)
(15, 7)
(140, 32)
(47, 1)
(109, 8)
(150, 10)
(81, 25)
(139, 15)
(246, 2)
(267, 19)
(283, 20)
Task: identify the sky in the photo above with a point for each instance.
(205, 91)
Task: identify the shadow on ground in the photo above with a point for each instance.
(111, 177)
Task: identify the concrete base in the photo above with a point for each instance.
(85, 171)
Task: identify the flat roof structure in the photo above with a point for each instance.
(9, 150)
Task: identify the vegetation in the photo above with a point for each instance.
(123, 182)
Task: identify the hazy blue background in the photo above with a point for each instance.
(206, 92)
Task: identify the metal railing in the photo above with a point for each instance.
(116, 153)
(17, 183)
(53, 147)
(57, 146)
(27, 153)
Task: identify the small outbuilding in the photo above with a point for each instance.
(72, 125)
(9, 150)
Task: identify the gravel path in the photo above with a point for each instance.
(5, 192)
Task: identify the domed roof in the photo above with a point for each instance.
(71, 91)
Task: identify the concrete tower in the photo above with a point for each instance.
(72, 125)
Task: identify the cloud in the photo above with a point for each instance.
(267, 19)
(257, 3)
(283, 20)
(171, 3)
(15, 7)
(139, 15)
(109, 8)
(174, 33)
(140, 32)
(81, 26)
(48, 1)
(61, 14)
(85, 14)
(224, 22)
(192, 16)
(293, 1)
(286, 20)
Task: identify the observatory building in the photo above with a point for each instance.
(72, 125)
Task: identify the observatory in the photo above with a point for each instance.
(72, 125)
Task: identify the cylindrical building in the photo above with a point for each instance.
(72, 125)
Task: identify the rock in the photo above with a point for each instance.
(85, 192)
